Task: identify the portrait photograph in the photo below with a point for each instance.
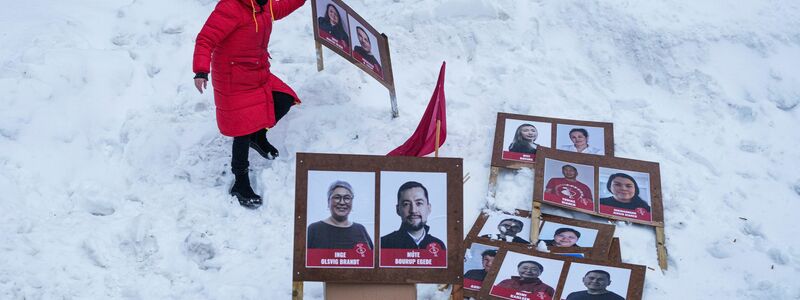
(580, 139)
(569, 184)
(624, 193)
(563, 236)
(340, 219)
(527, 277)
(333, 25)
(413, 219)
(366, 47)
(521, 139)
(507, 228)
(478, 260)
(588, 282)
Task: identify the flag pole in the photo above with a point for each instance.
(436, 145)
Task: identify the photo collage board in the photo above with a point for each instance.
(515, 271)
(575, 168)
(518, 138)
(560, 236)
(379, 219)
(342, 30)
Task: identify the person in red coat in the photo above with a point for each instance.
(232, 46)
(528, 279)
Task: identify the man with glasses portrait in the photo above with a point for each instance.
(508, 230)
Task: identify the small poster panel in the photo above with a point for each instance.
(569, 184)
(478, 259)
(518, 138)
(520, 273)
(590, 281)
(526, 277)
(378, 219)
(341, 219)
(621, 189)
(345, 32)
(508, 228)
(414, 219)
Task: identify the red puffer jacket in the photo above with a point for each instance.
(234, 43)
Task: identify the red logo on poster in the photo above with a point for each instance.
(541, 295)
(433, 248)
(641, 211)
(361, 249)
(585, 201)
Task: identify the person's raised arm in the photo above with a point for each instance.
(282, 8)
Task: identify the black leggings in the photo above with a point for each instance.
(241, 144)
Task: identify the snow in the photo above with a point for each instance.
(115, 178)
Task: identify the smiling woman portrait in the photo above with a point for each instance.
(580, 142)
(524, 139)
(625, 193)
(337, 231)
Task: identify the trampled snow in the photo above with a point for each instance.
(114, 177)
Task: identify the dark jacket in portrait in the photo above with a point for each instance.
(584, 295)
(476, 274)
(336, 32)
(635, 203)
(400, 239)
(522, 148)
(516, 239)
(366, 55)
(322, 235)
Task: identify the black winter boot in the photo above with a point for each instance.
(242, 190)
(259, 142)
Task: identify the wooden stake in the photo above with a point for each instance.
(297, 290)
(661, 248)
(493, 173)
(436, 146)
(457, 293)
(536, 216)
(320, 65)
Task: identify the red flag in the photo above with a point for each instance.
(423, 141)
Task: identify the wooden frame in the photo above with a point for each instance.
(651, 169)
(387, 78)
(635, 280)
(500, 131)
(453, 167)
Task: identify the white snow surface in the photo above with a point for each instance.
(114, 176)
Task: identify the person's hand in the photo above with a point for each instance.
(200, 84)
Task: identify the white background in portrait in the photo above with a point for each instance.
(543, 128)
(363, 184)
(619, 279)
(490, 227)
(375, 50)
(552, 169)
(642, 180)
(550, 275)
(588, 235)
(473, 259)
(322, 6)
(596, 136)
(435, 183)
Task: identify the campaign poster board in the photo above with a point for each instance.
(345, 32)
(478, 259)
(357, 217)
(623, 189)
(576, 238)
(594, 241)
(518, 138)
(513, 275)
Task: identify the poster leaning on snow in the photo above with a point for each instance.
(520, 273)
(377, 219)
(345, 32)
(519, 137)
(610, 187)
